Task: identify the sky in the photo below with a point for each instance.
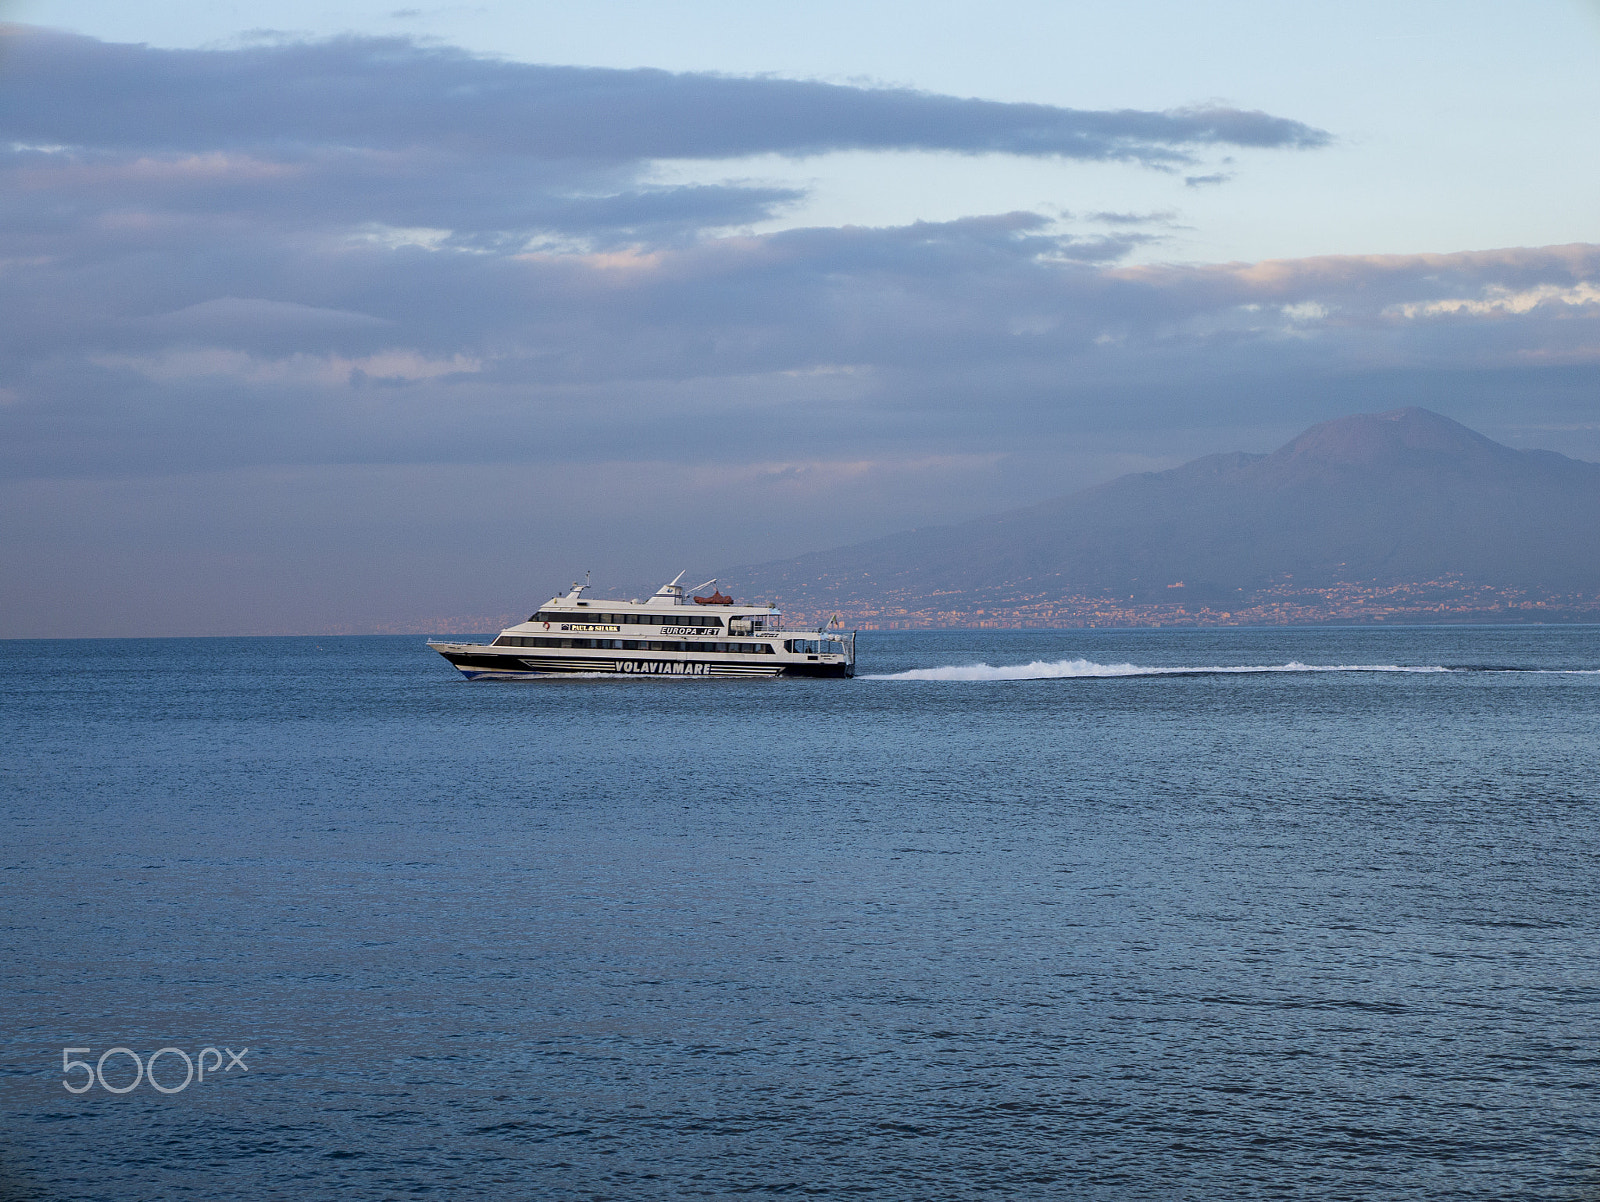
(357, 317)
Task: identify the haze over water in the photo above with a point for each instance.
(1091, 914)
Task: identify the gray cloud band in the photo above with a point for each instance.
(392, 94)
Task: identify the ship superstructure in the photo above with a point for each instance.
(674, 633)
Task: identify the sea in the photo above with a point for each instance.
(1197, 914)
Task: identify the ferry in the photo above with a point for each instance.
(674, 634)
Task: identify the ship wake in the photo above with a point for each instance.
(1069, 669)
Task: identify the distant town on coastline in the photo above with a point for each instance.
(1283, 603)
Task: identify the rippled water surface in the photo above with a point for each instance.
(1070, 914)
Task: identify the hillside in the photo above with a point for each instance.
(1381, 500)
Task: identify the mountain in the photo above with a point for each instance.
(1381, 499)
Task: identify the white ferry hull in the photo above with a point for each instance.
(482, 662)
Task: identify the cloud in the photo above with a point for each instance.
(1497, 299)
(397, 95)
(232, 320)
(230, 367)
(979, 336)
(387, 131)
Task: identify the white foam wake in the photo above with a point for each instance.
(1074, 668)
